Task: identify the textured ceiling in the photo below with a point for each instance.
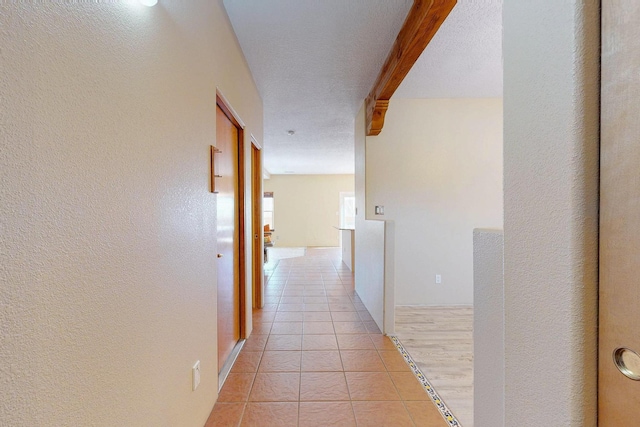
(315, 61)
(464, 58)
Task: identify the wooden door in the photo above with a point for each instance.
(257, 247)
(619, 317)
(227, 142)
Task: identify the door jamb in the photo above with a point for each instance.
(257, 259)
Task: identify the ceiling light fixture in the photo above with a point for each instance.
(149, 2)
(291, 132)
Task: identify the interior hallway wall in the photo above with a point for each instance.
(370, 237)
(307, 208)
(551, 122)
(488, 328)
(107, 225)
(436, 167)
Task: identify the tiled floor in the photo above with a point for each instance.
(316, 358)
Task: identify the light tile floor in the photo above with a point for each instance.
(317, 358)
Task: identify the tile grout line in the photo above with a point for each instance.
(344, 373)
(299, 385)
(404, 402)
(435, 397)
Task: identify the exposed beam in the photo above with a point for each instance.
(422, 23)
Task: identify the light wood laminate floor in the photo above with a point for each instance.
(440, 341)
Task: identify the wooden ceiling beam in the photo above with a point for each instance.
(422, 23)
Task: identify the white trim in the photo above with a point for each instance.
(233, 112)
(255, 142)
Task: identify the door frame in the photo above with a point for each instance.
(232, 115)
(256, 220)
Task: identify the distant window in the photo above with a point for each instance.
(267, 210)
(347, 210)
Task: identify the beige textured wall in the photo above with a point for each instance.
(107, 228)
(307, 207)
(551, 100)
(437, 169)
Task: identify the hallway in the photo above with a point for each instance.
(316, 358)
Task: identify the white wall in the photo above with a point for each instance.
(372, 280)
(437, 170)
(488, 328)
(551, 57)
(307, 208)
(107, 281)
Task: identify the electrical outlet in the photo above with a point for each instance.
(438, 279)
(196, 375)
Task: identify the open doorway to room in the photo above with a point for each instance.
(450, 185)
(434, 175)
(268, 223)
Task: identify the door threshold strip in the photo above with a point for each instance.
(226, 368)
(437, 400)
